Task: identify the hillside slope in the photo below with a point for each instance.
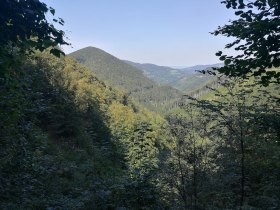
(160, 74)
(69, 140)
(185, 80)
(128, 78)
(192, 69)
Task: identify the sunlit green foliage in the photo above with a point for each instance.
(70, 141)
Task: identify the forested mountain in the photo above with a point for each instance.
(119, 74)
(192, 69)
(185, 79)
(71, 141)
(160, 74)
(68, 141)
(191, 82)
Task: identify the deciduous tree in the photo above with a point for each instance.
(257, 40)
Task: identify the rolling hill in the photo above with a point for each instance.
(116, 73)
(160, 74)
(192, 69)
(185, 79)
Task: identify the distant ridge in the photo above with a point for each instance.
(117, 73)
(160, 74)
(200, 67)
(185, 80)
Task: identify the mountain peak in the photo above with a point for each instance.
(117, 73)
(90, 50)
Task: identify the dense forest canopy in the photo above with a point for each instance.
(72, 137)
(158, 98)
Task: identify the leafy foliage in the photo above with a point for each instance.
(23, 24)
(70, 141)
(59, 139)
(257, 39)
(188, 168)
(239, 109)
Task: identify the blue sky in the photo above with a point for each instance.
(163, 32)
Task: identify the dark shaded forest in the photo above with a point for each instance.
(72, 136)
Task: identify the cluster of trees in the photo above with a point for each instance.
(226, 149)
(69, 141)
(63, 144)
